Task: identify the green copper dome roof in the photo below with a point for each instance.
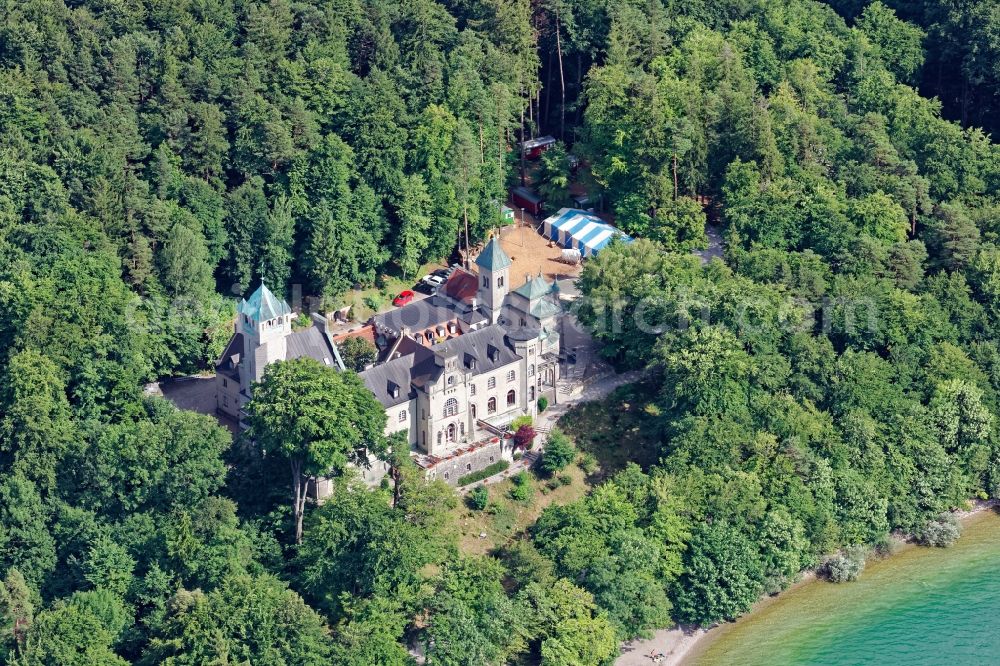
(493, 258)
(534, 288)
(263, 305)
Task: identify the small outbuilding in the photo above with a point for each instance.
(524, 198)
(533, 148)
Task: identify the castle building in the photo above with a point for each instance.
(263, 334)
(457, 367)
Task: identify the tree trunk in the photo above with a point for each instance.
(675, 176)
(562, 83)
(543, 119)
(465, 214)
(523, 167)
(298, 498)
(500, 145)
(579, 92)
(482, 144)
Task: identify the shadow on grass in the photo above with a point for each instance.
(622, 428)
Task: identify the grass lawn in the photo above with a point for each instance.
(383, 295)
(620, 429)
(506, 518)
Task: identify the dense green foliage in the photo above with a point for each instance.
(486, 472)
(558, 453)
(837, 377)
(317, 419)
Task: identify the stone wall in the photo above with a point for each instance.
(452, 468)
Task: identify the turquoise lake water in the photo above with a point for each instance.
(921, 606)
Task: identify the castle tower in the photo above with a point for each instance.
(494, 274)
(265, 322)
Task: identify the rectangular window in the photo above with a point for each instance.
(492, 383)
(510, 376)
(402, 416)
(472, 389)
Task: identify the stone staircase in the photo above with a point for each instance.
(530, 458)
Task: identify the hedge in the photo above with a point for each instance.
(490, 470)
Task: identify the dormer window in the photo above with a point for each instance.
(393, 389)
(492, 352)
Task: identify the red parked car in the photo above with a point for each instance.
(403, 298)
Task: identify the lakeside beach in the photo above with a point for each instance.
(782, 614)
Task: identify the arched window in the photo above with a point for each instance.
(531, 393)
(531, 370)
(451, 407)
(451, 432)
(451, 380)
(486, 281)
(461, 429)
(402, 416)
(491, 406)
(500, 281)
(473, 412)
(511, 398)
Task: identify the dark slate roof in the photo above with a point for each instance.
(419, 315)
(312, 343)
(493, 258)
(228, 363)
(488, 347)
(263, 305)
(394, 374)
(421, 367)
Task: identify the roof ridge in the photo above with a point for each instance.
(493, 258)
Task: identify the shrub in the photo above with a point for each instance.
(522, 490)
(588, 463)
(525, 420)
(373, 302)
(487, 471)
(478, 498)
(559, 452)
(565, 479)
(543, 403)
(941, 533)
(846, 565)
(524, 437)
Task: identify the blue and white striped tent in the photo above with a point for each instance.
(579, 230)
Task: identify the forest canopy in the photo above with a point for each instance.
(160, 158)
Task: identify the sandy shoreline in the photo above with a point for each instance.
(676, 643)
